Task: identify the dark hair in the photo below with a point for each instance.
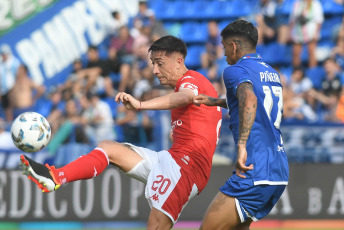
(92, 47)
(114, 14)
(298, 68)
(169, 44)
(25, 68)
(243, 29)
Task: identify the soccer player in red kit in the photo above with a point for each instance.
(173, 176)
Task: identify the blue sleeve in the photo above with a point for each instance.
(233, 76)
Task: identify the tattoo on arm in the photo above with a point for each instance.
(247, 111)
(218, 102)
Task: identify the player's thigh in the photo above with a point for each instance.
(121, 155)
(158, 220)
(221, 213)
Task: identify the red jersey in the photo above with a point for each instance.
(195, 130)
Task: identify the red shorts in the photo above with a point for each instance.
(168, 187)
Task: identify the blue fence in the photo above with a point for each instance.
(311, 143)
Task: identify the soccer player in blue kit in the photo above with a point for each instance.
(255, 103)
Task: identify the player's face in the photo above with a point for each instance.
(164, 67)
(228, 49)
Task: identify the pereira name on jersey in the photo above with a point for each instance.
(195, 130)
(265, 145)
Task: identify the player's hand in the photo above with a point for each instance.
(202, 99)
(240, 166)
(128, 101)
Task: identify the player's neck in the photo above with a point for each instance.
(244, 53)
(178, 74)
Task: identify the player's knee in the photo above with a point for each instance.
(107, 146)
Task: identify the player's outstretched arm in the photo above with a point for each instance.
(128, 101)
(165, 102)
(247, 114)
(209, 101)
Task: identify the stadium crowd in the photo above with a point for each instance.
(83, 104)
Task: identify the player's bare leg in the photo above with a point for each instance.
(222, 214)
(121, 155)
(158, 220)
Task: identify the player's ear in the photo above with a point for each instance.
(235, 47)
(180, 60)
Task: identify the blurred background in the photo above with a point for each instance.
(67, 59)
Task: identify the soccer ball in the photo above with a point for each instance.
(30, 132)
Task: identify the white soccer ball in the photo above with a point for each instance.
(30, 132)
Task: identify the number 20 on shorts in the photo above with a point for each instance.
(161, 184)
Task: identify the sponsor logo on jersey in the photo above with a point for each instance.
(176, 123)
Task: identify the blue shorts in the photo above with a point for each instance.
(252, 201)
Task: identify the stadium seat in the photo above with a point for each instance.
(316, 75)
(204, 10)
(287, 7)
(331, 7)
(276, 54)
(194, 32)
(237, 9)
(329, 27)
(223, 24)
(286, 71)
(168, 10)
(193, 58)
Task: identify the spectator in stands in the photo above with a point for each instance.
(95, 77)
(145, 16)
(24, 93)
(331, 88)
(213, 46)
(101, 69)
(118, 22)
(338, 51)
(122, 49)
(271, 25)
(96, 118)
(213, 51)
(9, 65)
(306, 19)
(56, 108)
(299, 83)
(299, 106)
(332, 83)
(129, 122)
(70, 128)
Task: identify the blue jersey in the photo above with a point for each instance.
(264, 145)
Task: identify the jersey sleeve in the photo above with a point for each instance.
(233, 76)
(189, 82)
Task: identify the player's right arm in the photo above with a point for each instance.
(165, 102)
(209, 101)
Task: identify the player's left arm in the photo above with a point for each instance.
(247, 114)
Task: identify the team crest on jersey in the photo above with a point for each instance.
(188, 85)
